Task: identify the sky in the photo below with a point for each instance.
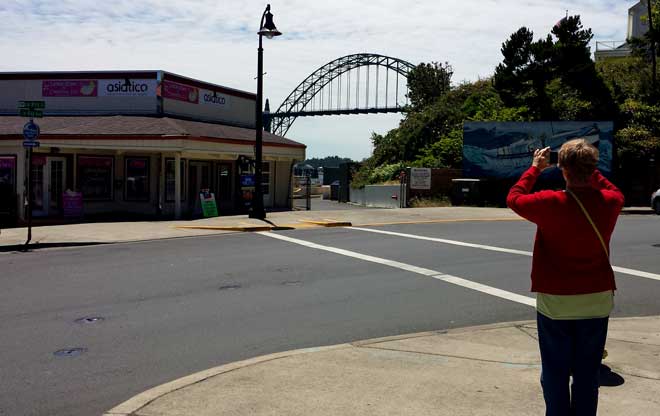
(216, 41)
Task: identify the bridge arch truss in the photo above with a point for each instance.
(343, 87)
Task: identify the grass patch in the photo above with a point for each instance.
(428, 202)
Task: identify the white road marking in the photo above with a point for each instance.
(493, 291)
(442, 240)
(624, 270)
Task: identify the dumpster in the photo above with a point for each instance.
(467, 192)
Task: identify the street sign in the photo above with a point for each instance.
(31, 113)
(30, 134)
(32, 105)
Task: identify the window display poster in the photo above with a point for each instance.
(72, 204)
(95, 177)
(7, 182)
(137, 178)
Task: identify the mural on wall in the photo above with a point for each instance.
(505, 149)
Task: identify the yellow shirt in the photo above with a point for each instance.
(590, 305)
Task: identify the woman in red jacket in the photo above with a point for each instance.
(571, 273)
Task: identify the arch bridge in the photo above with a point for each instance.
(352, 84)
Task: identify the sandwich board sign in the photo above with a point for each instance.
(209, 207)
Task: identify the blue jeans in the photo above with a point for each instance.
(571, 347)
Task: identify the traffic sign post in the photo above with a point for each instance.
(31, 131)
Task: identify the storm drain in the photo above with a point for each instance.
(90, 320)
(230, 287)
(70, 352)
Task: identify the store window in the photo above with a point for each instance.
(169, 180)
(137, 179)
(7, 184)
(265, 178)
(95, 176)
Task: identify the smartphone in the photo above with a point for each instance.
(554, 158)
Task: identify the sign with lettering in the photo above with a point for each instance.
(32, 105)
(214, 98)
(69, 88)
(72, 204)
(7, 162)
(180, 92)
(209, 207)
(247, 180)
(127, 87)
(420, 178)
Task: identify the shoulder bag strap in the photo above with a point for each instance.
(586, 214)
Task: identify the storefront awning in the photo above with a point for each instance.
(138, 127)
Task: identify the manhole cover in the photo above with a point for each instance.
(90, 320)
(230, 287)
(292, 283)
(70, 352)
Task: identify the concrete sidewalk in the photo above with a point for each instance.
(488, 370)
(114, 232)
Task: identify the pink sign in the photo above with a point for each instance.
(7, 162)
(138, 164)
(69, 88)
(38, 160)
(72, 204)
(95, 161)
(180, 92)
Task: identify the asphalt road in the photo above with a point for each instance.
(175, 307)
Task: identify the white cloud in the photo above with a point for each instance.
(215, 41)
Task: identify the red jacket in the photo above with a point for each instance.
(568, 256)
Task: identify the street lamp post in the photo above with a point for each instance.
(266, 28)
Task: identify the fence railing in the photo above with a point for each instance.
(609, 45)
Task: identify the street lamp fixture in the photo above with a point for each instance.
(266, 28)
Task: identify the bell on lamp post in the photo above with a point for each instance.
(266, 28)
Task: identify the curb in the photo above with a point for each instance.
(134, 404)
(328, 223)
(244, 228)
(143, 399)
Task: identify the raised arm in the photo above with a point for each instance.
(520, 200)
(600, 182)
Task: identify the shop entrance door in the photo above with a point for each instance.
(48, 182)
(224, 194)
(199, 177)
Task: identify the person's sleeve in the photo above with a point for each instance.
(601, 183)
(522, 202)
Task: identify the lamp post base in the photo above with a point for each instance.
(259, 214)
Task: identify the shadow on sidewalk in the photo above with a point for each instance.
(37, 246)
(609, 378)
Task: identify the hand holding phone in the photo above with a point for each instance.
(554, 158)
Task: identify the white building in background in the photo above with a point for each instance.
(637, 28)
(135, 143)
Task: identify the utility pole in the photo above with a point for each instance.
(654, 75)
